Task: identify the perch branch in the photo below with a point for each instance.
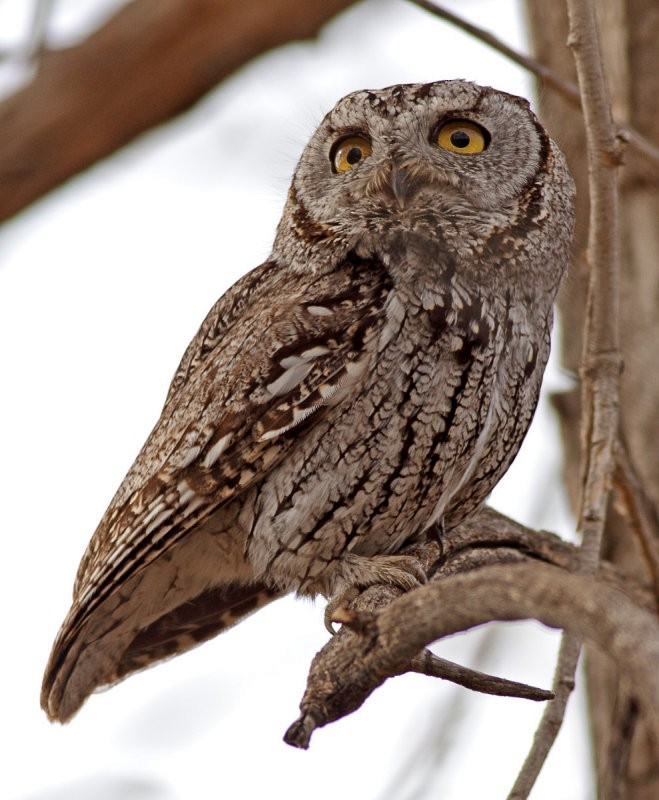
(567, 89)
(387, 642)
(488, 538)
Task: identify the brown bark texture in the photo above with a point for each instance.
(629, 32)
(151, 61)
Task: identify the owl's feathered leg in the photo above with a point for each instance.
(360, 572)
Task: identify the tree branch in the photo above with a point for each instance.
(601, 361)
(427, 663)
(552, 719)
(386, 642)
(151, 61)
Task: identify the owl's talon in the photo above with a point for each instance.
(360, 572)
(337, 608)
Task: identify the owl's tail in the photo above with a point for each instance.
(108, 646)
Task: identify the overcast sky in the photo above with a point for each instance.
(102, 284)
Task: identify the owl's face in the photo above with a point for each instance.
(452, 153)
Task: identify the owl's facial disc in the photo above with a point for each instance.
(449, 156)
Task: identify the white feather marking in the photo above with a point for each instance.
(193, 505)
(430, 300)
(189, 456)
(303, 358)
(264, 437)
(160, 506)
(300, 415)
(166, 514)
(314, 352)
(291, 361)
(320, 311)
(355, 369)
(457, 301)
(289, 379)
(327, 390)
(216, 450)
(185, 492)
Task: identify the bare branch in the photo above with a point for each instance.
(427, 663)
(601, 361)
(149, 62)
(552, 718)
(442, 607)
(566, 89)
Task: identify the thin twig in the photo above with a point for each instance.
(601, 353)
(567, 89)
(638, 509)
(601, 357)
(552, 718)
(427, 663)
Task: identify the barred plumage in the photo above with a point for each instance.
(374, 377)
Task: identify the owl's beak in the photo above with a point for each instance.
(403, 182)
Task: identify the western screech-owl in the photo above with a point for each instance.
(371, 381)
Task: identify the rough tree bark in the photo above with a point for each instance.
(629, 32)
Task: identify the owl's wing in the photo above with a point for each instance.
(271, 355)
(243, 391)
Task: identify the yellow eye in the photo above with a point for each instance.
(349, 152)
(462, 136)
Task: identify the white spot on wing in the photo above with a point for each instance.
(164, 515)
(157, 508)
(314, 352)
(319, 311)
(189, 456)
(216, 450)
(307, 355)
(289, 379)
(185, 492)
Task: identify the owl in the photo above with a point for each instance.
(364, 388)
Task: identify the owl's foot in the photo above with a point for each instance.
(360, 572)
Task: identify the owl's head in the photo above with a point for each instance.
(463, 160)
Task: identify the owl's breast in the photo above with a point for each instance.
(402, 451)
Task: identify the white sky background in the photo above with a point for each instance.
(102, 284)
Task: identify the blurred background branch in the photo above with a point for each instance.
(151, 61)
